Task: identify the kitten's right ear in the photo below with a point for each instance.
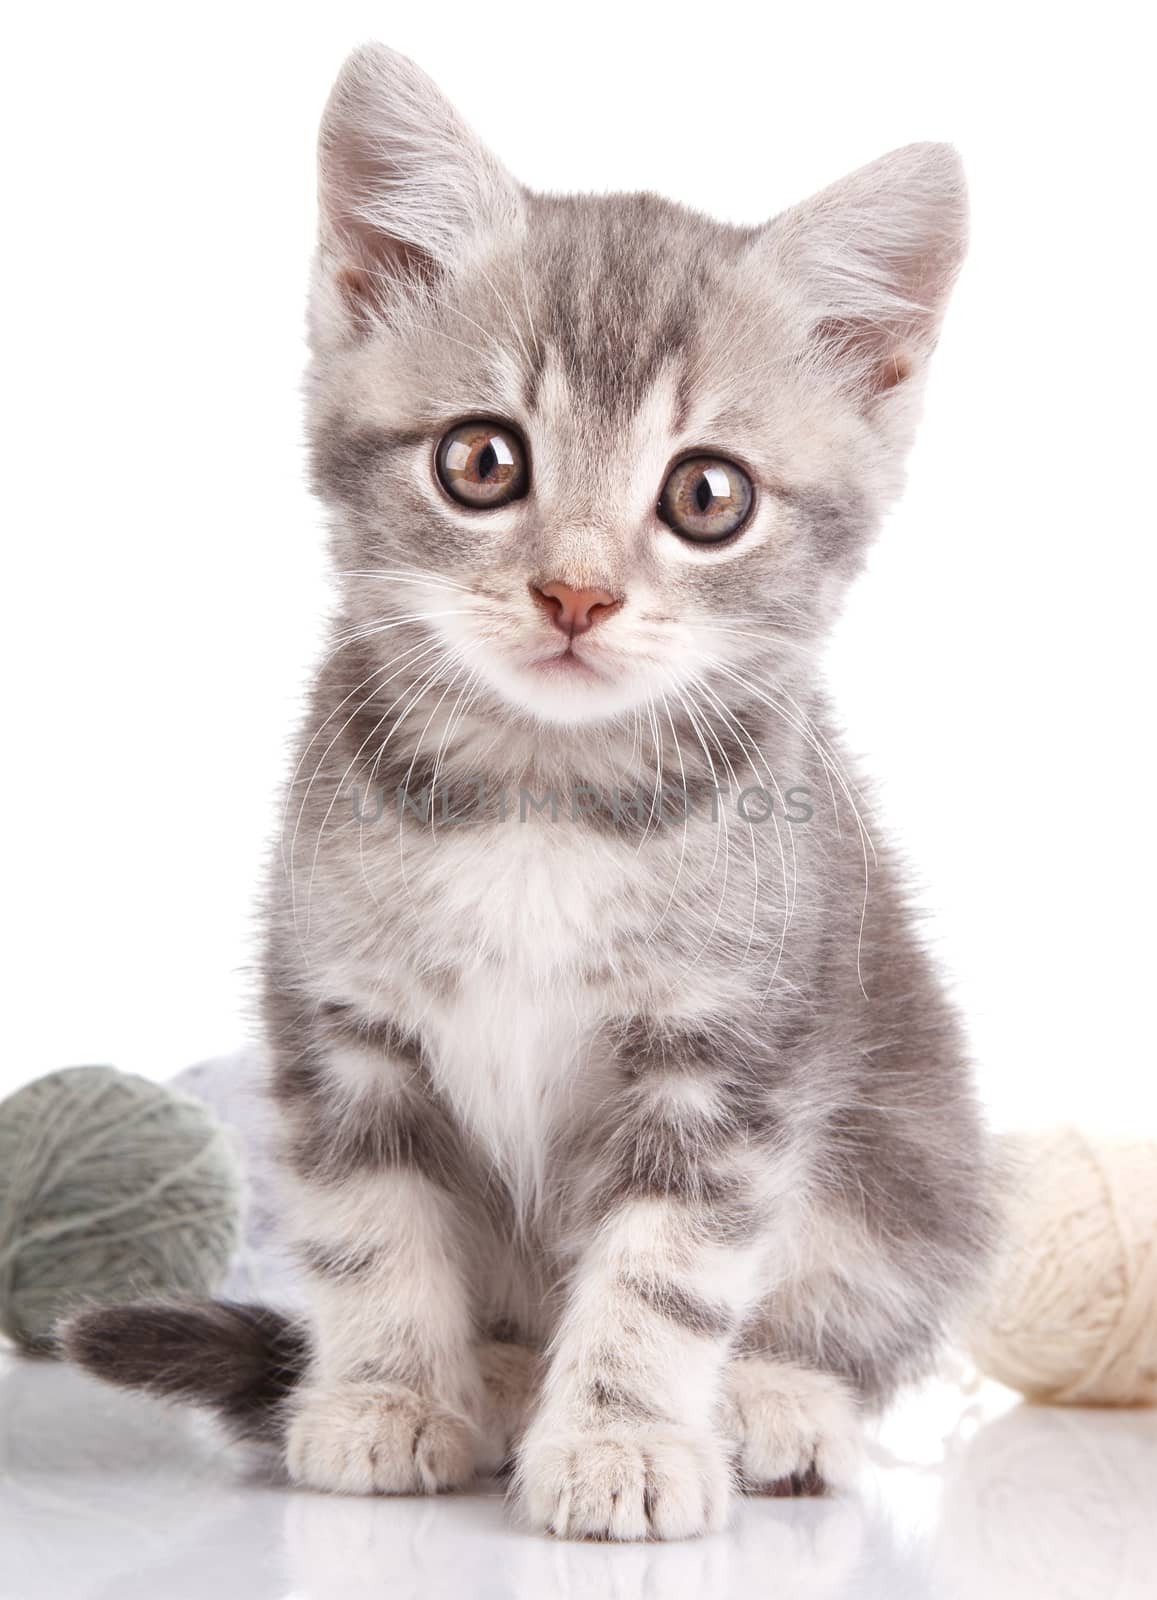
(405, 187)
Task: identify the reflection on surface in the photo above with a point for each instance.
(107, 1497)
(1053, 1501)
(103, 1497)
(466, 1547)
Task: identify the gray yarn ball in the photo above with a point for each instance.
(111, 1188)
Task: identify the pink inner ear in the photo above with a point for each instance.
(366, 290)
(891, 372)
(874, 355)
(356, 174)
(376, 262)
(358, 295)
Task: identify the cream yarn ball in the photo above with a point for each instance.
(1071, 1316)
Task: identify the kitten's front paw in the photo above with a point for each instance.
(658, 1482)
(795, 1432)
(377, 1438)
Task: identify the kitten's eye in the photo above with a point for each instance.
(706, 499)
(481, 464)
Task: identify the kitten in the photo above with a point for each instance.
(626, 1127)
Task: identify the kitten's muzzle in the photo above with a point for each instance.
(573, 611)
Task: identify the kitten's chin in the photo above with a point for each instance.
(564, 690)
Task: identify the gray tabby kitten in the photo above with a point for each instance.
(627, 1132)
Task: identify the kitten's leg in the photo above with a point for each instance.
(626, 1443)
(394, 1398)
(793, 1431)
(830, 1343)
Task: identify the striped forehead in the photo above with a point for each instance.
(581, 452)
(604, 326)
(618, 285)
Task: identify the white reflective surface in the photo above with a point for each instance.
(103, 1497)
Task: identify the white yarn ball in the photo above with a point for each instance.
(1071, 1316)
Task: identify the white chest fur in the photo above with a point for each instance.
(503, 948)
(532, 915)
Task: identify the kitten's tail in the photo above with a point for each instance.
(238, 1361)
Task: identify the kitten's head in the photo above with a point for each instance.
(605, 451)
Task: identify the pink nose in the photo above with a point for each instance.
(573, 610)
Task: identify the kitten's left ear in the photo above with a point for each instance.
(404, 185)
(874, 258)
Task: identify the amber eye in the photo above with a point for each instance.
(482, 464)
(706, 499)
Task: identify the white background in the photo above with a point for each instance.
(163, 580)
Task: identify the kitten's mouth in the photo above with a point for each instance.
(565, 663)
